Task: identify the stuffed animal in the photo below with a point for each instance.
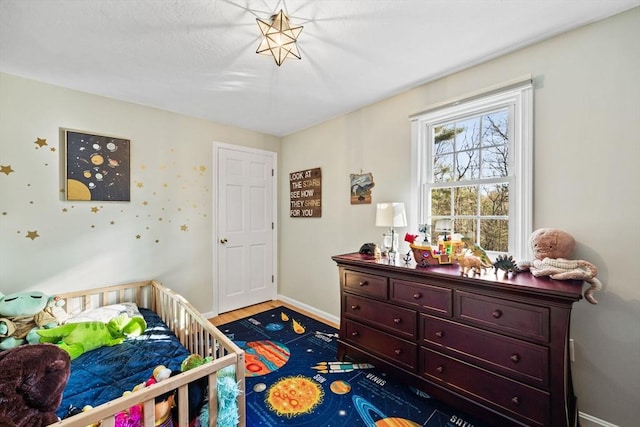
(22, 313)
(32, 378)
(78, 338)
(228, 391)
(551, 250)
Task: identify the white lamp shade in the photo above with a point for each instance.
(391, 214)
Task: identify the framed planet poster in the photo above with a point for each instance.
(97, 167)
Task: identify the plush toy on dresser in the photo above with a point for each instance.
(32, 379)
(22, 313)
(551, 250)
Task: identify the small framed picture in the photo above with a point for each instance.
(97, 167)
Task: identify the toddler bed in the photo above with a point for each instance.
(167, 314)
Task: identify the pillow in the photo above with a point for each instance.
(106, 313)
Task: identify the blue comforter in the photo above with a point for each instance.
(104, 374)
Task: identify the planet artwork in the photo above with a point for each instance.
(263, 357)
(340, 387)
(373, 417)
(97, 167)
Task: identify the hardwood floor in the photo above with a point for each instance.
(258, 308)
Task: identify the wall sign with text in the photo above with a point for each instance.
(305, 192)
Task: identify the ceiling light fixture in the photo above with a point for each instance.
(278, 38)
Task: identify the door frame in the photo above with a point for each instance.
(215, 210)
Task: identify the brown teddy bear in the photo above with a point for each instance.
(32, 379)
(551, 250)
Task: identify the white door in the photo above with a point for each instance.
(244, 236)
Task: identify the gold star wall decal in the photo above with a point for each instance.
(139, 185)
(138, 236)
(41, 142)
(6, 169)
(202, 169)
(95, 209)
(183, 227)
(32, 235)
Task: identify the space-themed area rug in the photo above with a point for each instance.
(293, 378)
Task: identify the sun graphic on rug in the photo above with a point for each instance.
(293, 396)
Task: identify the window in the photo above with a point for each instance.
(473, 165)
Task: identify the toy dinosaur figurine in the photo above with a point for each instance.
(506, 264)
(471, 263)
(476, 250)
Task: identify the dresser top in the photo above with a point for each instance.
(522, 282)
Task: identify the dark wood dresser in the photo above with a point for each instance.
(493, 346)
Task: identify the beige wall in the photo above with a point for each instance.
(171, 195)
(587, 97)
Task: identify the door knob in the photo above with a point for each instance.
(223, 240)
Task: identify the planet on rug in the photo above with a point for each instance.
(263, 357)
(366, 409)
(340, 387)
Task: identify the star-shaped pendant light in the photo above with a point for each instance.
(279, 38)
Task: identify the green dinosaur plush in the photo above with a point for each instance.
(22, 313)
(81, 337)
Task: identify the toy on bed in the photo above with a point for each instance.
(166, 404)
(22, 313)
(78, 338)
(32, 379)
(551, 248)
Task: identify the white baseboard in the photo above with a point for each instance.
(587, 420)
(209, 314)
(324, 315)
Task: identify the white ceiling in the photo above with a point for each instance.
(197, 57)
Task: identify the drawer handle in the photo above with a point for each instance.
(417, 295)
(398, 352)
(355, 307)
(355, 333)
(440, 334)
(397, 320)
(515, 358)
(497, 314)
(440, 369)
(515, 400)
(363, 283)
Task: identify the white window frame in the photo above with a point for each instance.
(517, 95)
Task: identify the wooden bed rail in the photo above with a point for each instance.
(195, 332)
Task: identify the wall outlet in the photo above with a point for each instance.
(572, 350)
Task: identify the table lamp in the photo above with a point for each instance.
(391, 214)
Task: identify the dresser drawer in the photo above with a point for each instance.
(514, 318)
(366, 284)
(495, 391)
(425, 297)
(518, 359)
(399, 321)
(402, 353)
